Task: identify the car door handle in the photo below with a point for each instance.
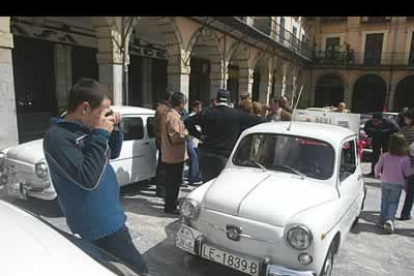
(147, 143)
(359, 177)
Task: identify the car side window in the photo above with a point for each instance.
(133, 128)
(348, 160)
(151, 127)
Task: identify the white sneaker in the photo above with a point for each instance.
(389, 227)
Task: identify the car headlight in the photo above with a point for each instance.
(41, 170)
(189, 208)
(299, 237)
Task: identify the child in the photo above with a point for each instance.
(394, 167)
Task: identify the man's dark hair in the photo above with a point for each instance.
(86, 90)
(195, 104)
(177, 98)
(377, 115)
(245, 96)
(276, 101)
(409, 114)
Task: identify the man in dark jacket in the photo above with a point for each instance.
(221, 127)
(77, 148)
(380, 130)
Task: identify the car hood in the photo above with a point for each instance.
(31, 152)
(31, 247)
(267, 197)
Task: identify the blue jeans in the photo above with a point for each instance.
(193, 168)
(390, 197)
(121, 246)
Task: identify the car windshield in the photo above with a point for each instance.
(301, 156)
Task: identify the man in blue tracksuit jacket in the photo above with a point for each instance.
(77, 148)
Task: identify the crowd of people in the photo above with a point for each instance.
(204, 138)
(393, 162)
(80, 144)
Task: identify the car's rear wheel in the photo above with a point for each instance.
(329, 261)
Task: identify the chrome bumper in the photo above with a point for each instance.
(277, 270)
(266, 269)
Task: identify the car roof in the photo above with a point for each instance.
(305, 129)
(123, 109)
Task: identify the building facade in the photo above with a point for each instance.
(136, 59)
(367, 62)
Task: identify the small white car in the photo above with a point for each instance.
(283, 205)
(24, 172)
(30, 246)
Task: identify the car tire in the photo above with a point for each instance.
(329, 261)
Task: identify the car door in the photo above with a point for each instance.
(135, 150)
(350, 182)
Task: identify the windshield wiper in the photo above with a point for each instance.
(293, 170)
(256, 163)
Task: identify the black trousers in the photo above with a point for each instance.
(160, 174)
(211, 165)
(120, 245)
(376, 153)
(174, 178)
(408, 203)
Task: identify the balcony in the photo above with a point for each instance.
(362, 59)
(334, 19)
(376, 19)
(281, 35)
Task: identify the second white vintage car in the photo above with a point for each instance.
(283, 205)
(24, 172)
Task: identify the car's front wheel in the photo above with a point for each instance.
(329, 261)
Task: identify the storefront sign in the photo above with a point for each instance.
(148, 52)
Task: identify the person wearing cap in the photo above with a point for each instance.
(380, 130)
(220, 128)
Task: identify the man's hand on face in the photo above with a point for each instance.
(105, 122)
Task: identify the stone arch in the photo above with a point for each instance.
(165, 32)
(207, 63)
(404, 93)
(329, 90)
(262, 77)
(369, 94)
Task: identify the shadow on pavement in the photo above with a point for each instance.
(165, 259)
(367, 223)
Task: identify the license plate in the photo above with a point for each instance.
(186, 238)
(15, 190)
(231, 260)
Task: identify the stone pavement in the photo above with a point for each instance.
(368, 251)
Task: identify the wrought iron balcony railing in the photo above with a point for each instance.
(367, 59)
(281, 35)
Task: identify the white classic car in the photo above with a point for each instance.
(283, 205)
(24, 171)
(31, 246)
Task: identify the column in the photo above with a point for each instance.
(178, 71)
(266, 83)
(218, 77)
(8, 127)
(110, 61)
(245, 80)
(63, 63)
